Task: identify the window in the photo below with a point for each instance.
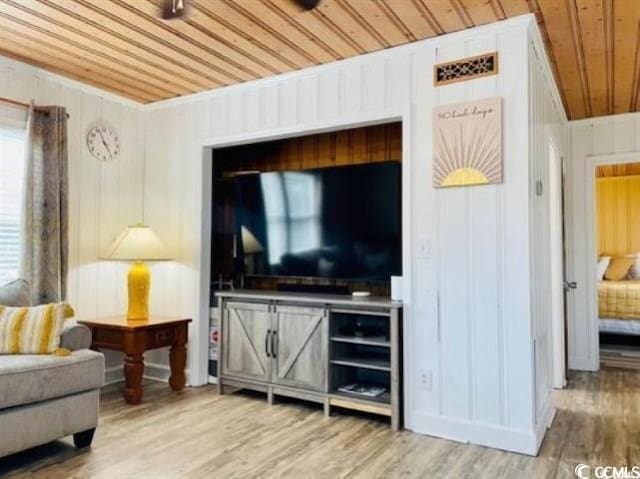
(12, 160)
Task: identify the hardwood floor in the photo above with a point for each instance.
(197, 434)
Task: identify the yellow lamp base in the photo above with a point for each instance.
(139, 284)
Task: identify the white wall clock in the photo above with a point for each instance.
(103, 143)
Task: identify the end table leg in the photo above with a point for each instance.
(133, 371)
(178, 361)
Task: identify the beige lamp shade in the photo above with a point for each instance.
(137, 243)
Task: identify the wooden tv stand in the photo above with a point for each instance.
(307, 346)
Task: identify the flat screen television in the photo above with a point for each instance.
(340, 222)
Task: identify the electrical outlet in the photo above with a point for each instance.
(426, 379)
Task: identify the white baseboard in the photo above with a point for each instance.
(484, 434)
(546, 419)
(161, 372)
(113, 375)
(156, 372)
(152, 371)
(582, 364)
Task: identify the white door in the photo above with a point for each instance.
(557, 259)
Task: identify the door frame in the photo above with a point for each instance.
(592, 162)
(557, 231)
(199, 343)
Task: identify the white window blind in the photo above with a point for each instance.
(12, 159)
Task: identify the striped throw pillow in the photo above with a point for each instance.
(34, 330)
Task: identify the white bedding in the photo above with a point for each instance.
(619, 326)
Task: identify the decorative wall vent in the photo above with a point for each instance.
(465, 69)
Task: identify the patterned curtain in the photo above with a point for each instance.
(45, 246)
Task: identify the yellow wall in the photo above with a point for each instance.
(618, 215)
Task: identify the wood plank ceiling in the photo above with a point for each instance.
(125, 47)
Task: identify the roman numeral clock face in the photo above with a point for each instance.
(103, 143)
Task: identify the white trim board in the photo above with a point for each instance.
(543, 60)
(604, 119)
(592, 162)
(199, 360)
(113, 375)
(152, 372)
(490, 435)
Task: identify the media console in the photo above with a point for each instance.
(337, 350)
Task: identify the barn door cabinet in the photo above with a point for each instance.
(299, 355)
(310, 346)
(245, 326)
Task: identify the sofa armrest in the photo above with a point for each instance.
(75, 337)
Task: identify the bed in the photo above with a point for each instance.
(619, 307)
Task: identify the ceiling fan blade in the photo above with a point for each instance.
(308, 4)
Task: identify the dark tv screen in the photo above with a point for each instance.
(340, 222)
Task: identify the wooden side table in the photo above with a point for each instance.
(133, 338)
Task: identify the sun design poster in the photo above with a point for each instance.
(467, 143)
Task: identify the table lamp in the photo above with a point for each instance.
(137, 243)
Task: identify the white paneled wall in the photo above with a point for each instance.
(104, 197)
(548, 126)
(468, 317)
(611, 135)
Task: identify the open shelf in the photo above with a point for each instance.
(360, 353)
(373, 341)
(384, 398)
(375, 364)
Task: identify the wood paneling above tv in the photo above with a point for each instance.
(345, 147)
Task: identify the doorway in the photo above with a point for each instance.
(617, 242)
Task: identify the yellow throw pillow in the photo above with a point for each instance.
(618, 269)
(34, 330)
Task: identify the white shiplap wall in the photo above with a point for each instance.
(104, 197)
(469, 247)
(598, 137)
(547, 125)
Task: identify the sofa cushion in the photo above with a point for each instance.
(15, 293)
(27, 379)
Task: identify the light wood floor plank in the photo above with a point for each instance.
(198, 434)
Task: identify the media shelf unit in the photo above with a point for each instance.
(308, 346)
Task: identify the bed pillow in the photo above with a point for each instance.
(634, 271)
(603, 264)
(34, 330)
(618, 269)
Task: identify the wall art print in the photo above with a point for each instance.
(467, 143)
